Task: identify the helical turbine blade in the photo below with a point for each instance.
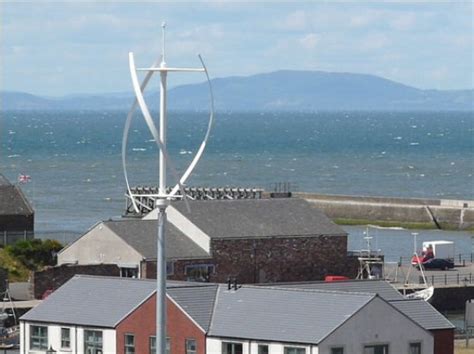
(126, 130)
(151, 125)
(200, 151)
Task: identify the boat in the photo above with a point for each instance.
(425, 294)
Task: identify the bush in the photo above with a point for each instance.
(35, 254)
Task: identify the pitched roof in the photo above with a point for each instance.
(423, 313)
(283, 315)
(198, 302)
(12, 199)
(142, 236)
(92, 301)
(379, 287)
(419, 311)
(244, 218)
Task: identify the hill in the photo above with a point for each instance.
(275, 91)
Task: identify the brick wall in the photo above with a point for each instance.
(271, 260)
(279, 259)
(53, 277)
(141, 323)
(443, 341)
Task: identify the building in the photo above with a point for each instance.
(131, 245)
(16, 214)
(117, 315)
(420, 311)
(253, 240)
(94, 315)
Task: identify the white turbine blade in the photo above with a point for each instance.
(157, 68)
(151, 124)
(128, 123)
(200, 151)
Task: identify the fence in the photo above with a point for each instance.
(459, 259)
(449, 279)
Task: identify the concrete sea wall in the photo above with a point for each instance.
(386, 211)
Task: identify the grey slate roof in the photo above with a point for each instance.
(283, 315)
(105, 301)
(244, 218)
(141, 235)
(92, 301)
(423, 313)
(12, 199)
(379, 287)
(419, 311)
(198, 302)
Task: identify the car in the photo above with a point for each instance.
(438, 263)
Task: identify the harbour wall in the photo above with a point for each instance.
(388, 211)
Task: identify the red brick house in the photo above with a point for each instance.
(91, 314)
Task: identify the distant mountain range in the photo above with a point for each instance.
(275, 91)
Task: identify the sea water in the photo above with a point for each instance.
(74, 157)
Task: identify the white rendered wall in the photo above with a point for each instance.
(183, 224)
(100, 246)
(54, 339)
(378, 323)
(214, 346)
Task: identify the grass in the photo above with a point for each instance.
(16, 270)
(406, 225)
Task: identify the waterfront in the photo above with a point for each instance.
(74, 157)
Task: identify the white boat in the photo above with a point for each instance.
(425, 294)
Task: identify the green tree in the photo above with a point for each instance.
(35, 254)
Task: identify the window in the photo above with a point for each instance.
(199, 272)
(169, 268)
(65, 338)
(295, 350)
(129, 344)
(231, 348)
(262, 349)
(93, 342)
(126, 272)
(415, 348)
(153, 345)
(338, 350)
(190, 346)
(39, 337)
(376, 349)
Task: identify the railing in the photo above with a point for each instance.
(449, 279)
(461, 259)
(11, 237)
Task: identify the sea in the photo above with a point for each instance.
(74, 158)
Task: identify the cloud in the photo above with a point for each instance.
(310, 41)
(374, 41)
(404, 22)
(296, 21)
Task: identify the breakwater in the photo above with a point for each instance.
(388, 211)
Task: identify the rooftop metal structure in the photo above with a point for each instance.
(145, 197)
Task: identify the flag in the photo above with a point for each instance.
(24, 178)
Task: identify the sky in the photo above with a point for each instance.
(61, 48)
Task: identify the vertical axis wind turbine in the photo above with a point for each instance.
(163, 198)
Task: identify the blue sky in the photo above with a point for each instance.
(60, 48)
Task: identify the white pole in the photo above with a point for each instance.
(161, 203)
(414, 241)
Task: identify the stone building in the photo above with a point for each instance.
(253, 240)
(16, 214)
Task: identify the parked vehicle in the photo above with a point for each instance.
(437, 263)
